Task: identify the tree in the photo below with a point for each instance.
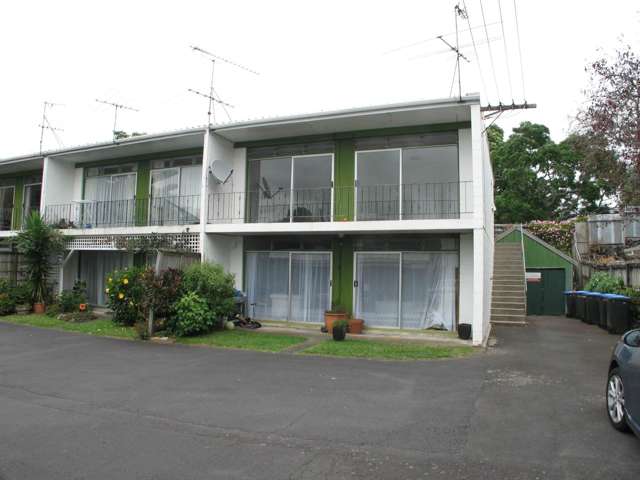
(538, 179)
(121, 134)
(612, 113)
(39, 244)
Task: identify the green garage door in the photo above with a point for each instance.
(545, 297)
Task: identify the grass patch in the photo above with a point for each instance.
(385, 350)
(245, 339)
(100, 327)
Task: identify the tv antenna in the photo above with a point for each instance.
(46, 125)
(116, 107)
(462, 13)
(213, 96)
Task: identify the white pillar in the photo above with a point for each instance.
(478, 326)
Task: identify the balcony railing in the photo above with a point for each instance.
(361, 203)
(179, 210)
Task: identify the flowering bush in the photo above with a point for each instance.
(125, 293)
(557, 234)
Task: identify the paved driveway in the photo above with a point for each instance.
(75, 407)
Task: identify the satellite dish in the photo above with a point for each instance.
(221, 171)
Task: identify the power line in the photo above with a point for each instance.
(506, 52)
(475, 48)
(225, 60)
(515, 11)
(493, 68)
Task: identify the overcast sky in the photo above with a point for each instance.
(311, 56)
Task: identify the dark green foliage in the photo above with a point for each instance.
(605, 283)
(70, 300)
(213, 284)
(38, 244)
(7, 304)
(538, 179)
(192, 316)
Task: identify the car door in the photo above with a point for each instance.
(631, 375)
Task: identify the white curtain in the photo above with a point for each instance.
(95, 267)
(428, 290)
(112, 201)
(268, 285)
(377, 299)
(190, 181)
(310, 278)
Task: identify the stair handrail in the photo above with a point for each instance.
(524, 268)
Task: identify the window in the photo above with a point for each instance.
(175, 192)
(291, 188)
(109, 194)
(407, 183)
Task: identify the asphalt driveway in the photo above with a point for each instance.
(76, 407)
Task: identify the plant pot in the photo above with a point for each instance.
(339, 334)
(38, 308)
(330, 317)
(355, 326)
(464, 331)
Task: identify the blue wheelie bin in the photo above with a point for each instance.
(581, 304)
(570, 303)
(591, 308)
(618, 314)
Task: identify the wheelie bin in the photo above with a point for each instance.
(570, 303)
(618, 314)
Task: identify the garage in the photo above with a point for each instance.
(549, 272)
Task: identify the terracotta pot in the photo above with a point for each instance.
(355, 326)
(330, 317)
(38, 308)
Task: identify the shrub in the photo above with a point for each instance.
(192, 316)
(7, 304)
(557, 234)
(213, 284)
(605, 283)
(125, 293)
(161, 291)
(70, 300)
(22, 294)
(39, 244)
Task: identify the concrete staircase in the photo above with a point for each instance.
(509, 302)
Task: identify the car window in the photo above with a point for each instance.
(633, 338)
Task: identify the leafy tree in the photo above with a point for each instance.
(612, 113)
(121, 134)
(538, 179)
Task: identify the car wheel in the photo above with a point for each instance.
(615, 401)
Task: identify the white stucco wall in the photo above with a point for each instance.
(58, 182)
(465, 303)
(227, 251)
(465, 169)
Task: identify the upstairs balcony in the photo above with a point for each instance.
(343, 204)
(136, 212)
(14, 218)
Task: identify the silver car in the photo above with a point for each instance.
(623, 385)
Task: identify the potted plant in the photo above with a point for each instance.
(336, 313)
(39, 245)
(356, 325)
(339, 330)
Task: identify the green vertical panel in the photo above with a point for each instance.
(545, 297)
(344, 176)
(143, 181)
(342, 281)
(18, 195)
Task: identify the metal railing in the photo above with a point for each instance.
(176, 210)
(361, 203)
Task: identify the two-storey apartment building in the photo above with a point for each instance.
(386, 211)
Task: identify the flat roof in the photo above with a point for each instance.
(422, 112)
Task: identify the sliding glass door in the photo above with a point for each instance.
(407, 183)
(175, 195)
(95, 267)
(291, 189)
(294, 286)
(406, 289)
(110, 200)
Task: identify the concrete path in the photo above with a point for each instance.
(77, 407)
